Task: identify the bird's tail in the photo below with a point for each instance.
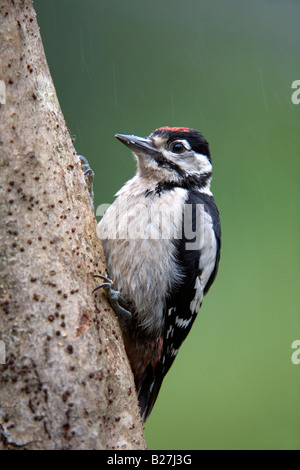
(149, 388)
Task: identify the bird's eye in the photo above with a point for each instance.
(178, 147)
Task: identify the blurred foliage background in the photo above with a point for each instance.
(226, 69)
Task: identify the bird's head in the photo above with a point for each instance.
(178, 156)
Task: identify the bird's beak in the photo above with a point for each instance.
(136, 144)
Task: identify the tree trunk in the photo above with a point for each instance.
(66, 382)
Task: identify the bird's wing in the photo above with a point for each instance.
(199, 265)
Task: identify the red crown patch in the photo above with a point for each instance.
(174, 129)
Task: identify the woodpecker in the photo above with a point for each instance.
(161, 240)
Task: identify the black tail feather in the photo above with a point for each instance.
(149, 388)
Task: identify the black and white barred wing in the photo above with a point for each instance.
(199, 268)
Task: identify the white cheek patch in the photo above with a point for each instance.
(204, 164)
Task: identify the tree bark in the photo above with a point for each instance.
(66, 382)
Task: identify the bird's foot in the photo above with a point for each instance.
(114, 297)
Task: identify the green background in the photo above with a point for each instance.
(225, 68)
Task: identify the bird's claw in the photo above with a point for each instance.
(114, 297)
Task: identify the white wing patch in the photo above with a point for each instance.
(171, 310)
(174, 352)
(207, 262)
(196, 302)
(170, 332)
(183, 323)
(208, 252)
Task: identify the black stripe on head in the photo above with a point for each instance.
(168, 164)
(196, 140)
